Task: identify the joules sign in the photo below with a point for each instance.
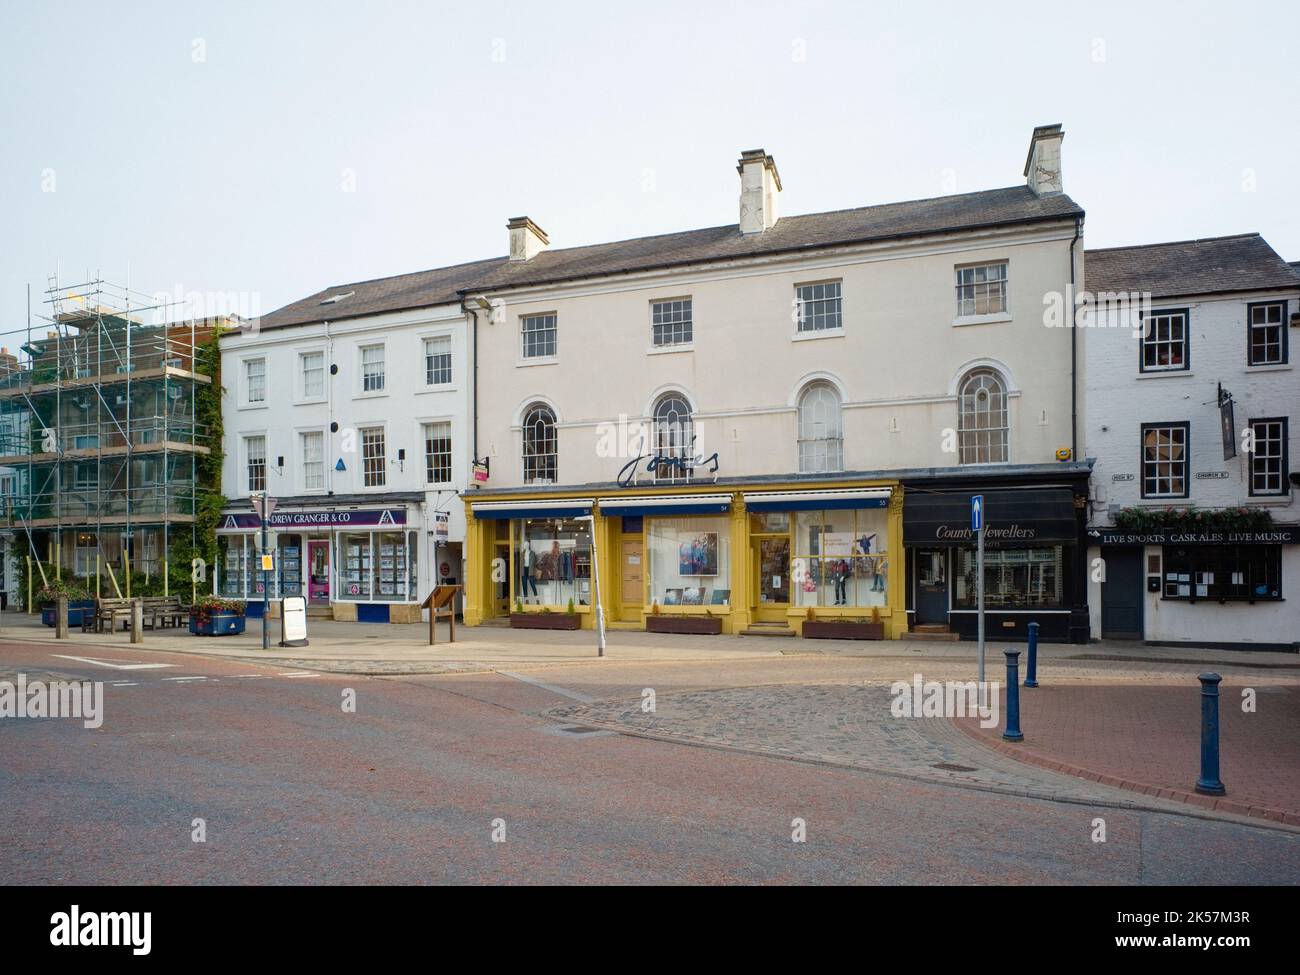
(318, 519)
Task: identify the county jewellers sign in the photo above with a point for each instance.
(318, 519)
(992, 533)
(1282, 535)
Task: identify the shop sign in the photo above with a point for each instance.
(441, 524)
(317, 519)
(1289, 535)
(668, 467)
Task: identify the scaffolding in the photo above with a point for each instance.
(99, 441)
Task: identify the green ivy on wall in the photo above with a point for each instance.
(1139, 520)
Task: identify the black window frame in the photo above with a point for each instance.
(1284, 487)
(1282, 328)
(1187, 341)
(1253, 560)
(1187, 459)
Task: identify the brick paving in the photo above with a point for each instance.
(1145, 738)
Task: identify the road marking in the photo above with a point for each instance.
(304, 674)
(250, 676)
(572, 695)
(105, 663)
(184, 678)
(124, 683)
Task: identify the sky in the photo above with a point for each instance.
(259, 152)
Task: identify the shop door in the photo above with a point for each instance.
(1122, 595)
(771, 556)
(318, 569)
(931, 586)
(632, 585)
(501, 578)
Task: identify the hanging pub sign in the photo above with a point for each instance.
(1228, 423)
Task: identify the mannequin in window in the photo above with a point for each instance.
(840, 573)
(526, 571)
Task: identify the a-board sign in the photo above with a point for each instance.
(293, 622)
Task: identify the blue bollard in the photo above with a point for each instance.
(1031, 668)
(1013, 697)
(1209, 784)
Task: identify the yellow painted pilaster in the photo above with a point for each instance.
(897, 624)
(478, 569)
(742, 569)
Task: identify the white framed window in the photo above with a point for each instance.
(1267, 338)
(437, 360)
(311, 443)
(819, 306)
(437, 452)
(670, 322)
(983, 428)
(982, 290)
(674, 437)
(255, 380)
(1268, 456)
(541, 453)
(311, 369)
(821, 434)
(374, 464)
(1165, 459)
(1165, 345)
(255, 462)
(539, 334)
(372, 369)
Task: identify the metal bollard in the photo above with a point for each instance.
(1209, 784)
(1031, 666)
(61, 618)
(1013, 697)
(137, 621)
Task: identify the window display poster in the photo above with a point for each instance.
(698, 554)
(837, 544)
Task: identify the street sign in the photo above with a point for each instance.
(976, 512)
(264, 505)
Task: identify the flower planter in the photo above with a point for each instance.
(75, 609)
(842, 630)
(545, 621)
(217, 624)
(683, 624)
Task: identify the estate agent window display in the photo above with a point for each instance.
(841, 558)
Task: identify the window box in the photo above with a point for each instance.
(711, 625)
(545, 621)
(843, 630)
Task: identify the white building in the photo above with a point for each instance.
(1195, 410)
(352, 408)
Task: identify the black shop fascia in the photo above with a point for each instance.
(1035, 558)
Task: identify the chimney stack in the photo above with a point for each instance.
(526, 239)
(1043, 165)
(760, 185)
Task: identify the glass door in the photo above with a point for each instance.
(771, 554)
(318, 565)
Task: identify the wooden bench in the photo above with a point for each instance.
(107, 611)
(164, 611)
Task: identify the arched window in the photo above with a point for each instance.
(821, 434)
(674, 433)
(540, 452)
(982, 418)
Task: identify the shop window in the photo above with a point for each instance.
(289, 565)
(354, 565)
(821, 435)
(1223, 572)
(674, 436)
(391, 575)
(690, 561)
(552, 562)
(234, 566)
(983, 428)
(1014, 578)
(540, 451)
(87, 548)
(841, 558)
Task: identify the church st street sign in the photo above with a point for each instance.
(1281, 535)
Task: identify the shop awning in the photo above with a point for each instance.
(673, 504)
(817, 500)
(1027, 516)
(577, 508)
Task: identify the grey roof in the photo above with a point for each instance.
(965, 211)
(1213, 265)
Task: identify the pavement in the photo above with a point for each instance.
(212, 770)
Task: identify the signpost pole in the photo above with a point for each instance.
(595, 582)
(266, 591)
(977, 526)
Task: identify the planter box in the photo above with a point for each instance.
(836, 630)
(218, 624)
(545, 621)
(683, 624)
(75, 609)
